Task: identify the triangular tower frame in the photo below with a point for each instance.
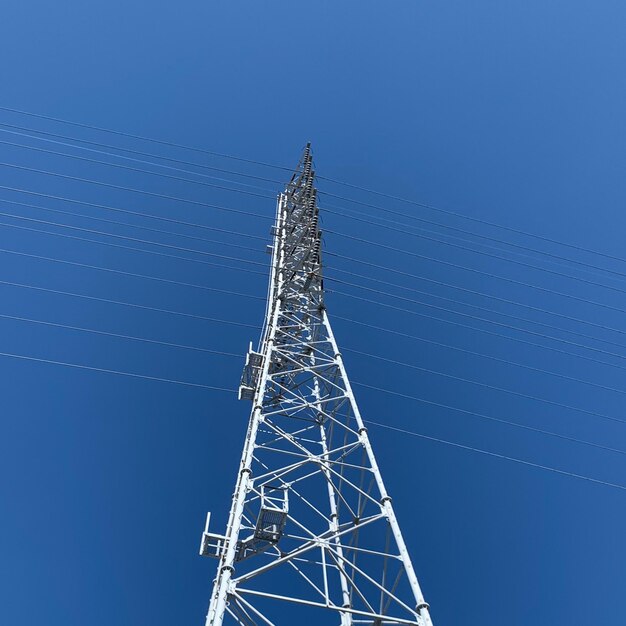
(312, 536)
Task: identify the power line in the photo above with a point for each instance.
(122, 247)
(369, 278)
(339, 292)
(482, 330)
(359, 217)
(473, 292)
(52, 259)
(521, 263)
(230, 354)
(133, 190)
(467, 269)
(407, 252)
(116, 223)
(259, 297)
(133, 274)
(229, 258)
(501, 324)
(404, 231)
(471, 219)
(491, 418)
(500, 456)
(373, 423)
(116, 335)
(410, 253)
(328, 207)
(88, 266)
(355, 351)
(220, 266)
(135, 169)
(486, 386)
(128, 304)
(138, 152)
(481, 354)
(329, 179)
(134, 213)
(125, 238)
(121, 156)
(150, 139)
(73, 263)
(192, 250)
(480, 272)
(117, 372)
(481, 308)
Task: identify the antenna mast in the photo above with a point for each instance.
(312, 536)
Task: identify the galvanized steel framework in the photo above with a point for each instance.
(312, 535)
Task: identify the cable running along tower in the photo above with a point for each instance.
(312, 537)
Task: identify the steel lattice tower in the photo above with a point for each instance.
(312, 537)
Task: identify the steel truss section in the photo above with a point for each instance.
(312, 536)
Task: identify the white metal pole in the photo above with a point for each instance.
(226, 567)
(421, 608)
(333, 524)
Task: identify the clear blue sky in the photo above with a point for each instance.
(510, 112)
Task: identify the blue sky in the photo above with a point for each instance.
(506, 112)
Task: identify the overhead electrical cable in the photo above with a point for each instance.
(351, 214)
(491, 418)
(133, 274)
(126, 158)
(482, 354)
(486, 385)
(356, 351)
(479, 383)
(150, 139)
(482, 294)
(327, 178)
(234, 268)
(127, 304)
(327, 207)
(238, 356)
(52, 259)
(136, 169)
(477, 220)
(139, 153)
(190, 315)
(232, 391)
(258, 297)
(124, 238)
(475, 317)
(123, 224)
(136, 213)
(481, 330)
(133, 190)
(221, 187)
(481, 308)
(400, 250)
(368, 278)
(122, 247)
(467, 269)
(179, 283)
(521, 263)
(355, 274)
(500, 456)
(110, 371)
(116, 335)
(258, 263)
